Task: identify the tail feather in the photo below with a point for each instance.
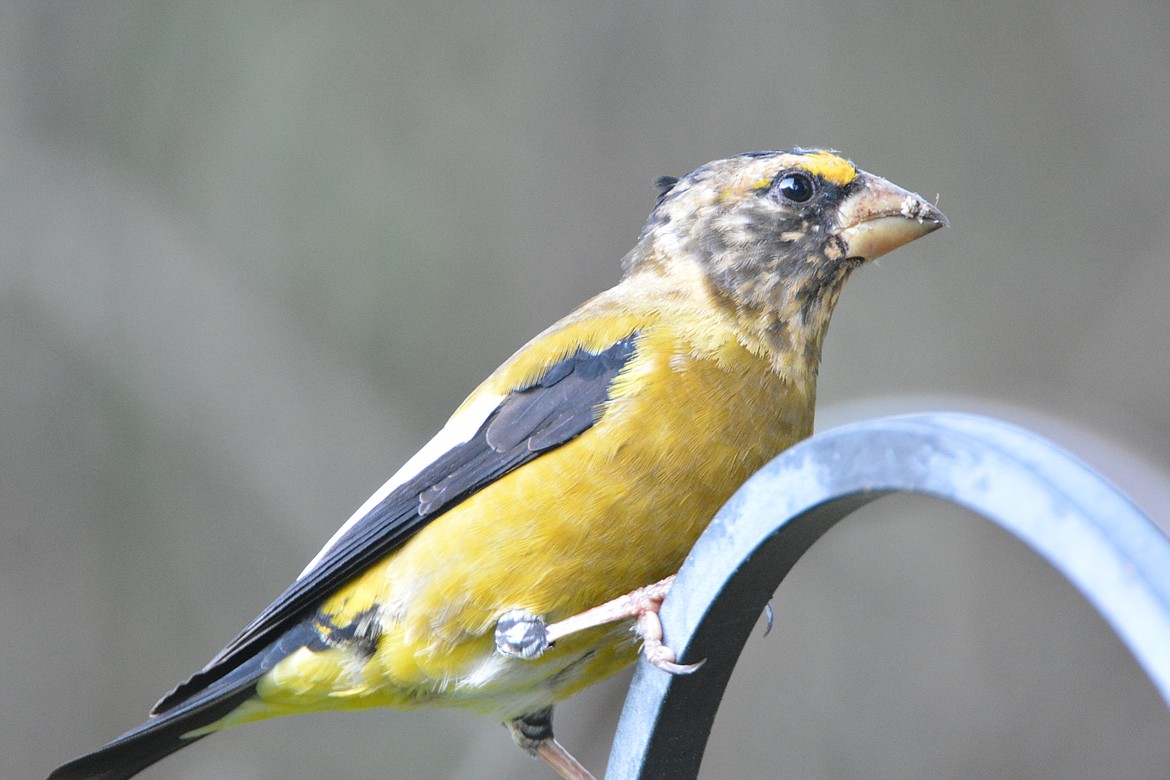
(154, 740)
(163, 734)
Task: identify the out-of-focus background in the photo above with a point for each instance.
(253, 253)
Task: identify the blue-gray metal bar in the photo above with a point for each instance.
(1062, 509)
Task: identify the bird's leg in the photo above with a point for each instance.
(533, 733)
(526, 636)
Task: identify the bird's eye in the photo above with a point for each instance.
(796, 187)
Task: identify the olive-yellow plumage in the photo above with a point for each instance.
(584, 467)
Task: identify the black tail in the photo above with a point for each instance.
(163, 734)
(155, 739)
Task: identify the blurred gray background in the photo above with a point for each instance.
(253, 253)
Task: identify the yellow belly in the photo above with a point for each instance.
(617, 508)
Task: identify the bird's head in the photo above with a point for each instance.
(775, 234)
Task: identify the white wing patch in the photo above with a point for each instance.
(458, 430)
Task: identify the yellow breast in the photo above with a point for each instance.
(691, 417)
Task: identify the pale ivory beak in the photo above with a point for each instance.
(881, 217)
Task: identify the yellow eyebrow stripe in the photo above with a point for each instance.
(830, 167)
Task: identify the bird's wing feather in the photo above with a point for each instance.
(531, 419)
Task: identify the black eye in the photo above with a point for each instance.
(796, 187)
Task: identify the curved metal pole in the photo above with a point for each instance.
(1062, 509)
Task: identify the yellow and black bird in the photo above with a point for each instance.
(584, 468)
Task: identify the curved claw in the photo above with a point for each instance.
(523, 635)
(649, 627)
(665, 661)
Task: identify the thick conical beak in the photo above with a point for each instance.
(880, 217)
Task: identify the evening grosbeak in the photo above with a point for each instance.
(584, 468)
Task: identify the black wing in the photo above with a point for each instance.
(550, 411)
